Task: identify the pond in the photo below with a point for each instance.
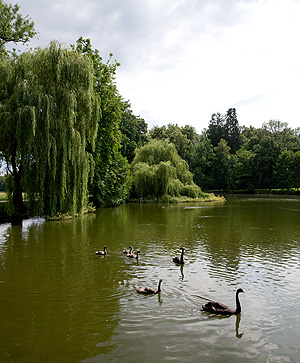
(62, 303)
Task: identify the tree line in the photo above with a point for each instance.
(68, 139)
(228, 157)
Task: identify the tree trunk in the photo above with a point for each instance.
(17, 192)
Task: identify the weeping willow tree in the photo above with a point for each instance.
(49, 114)
(159, 173)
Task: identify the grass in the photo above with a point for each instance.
(2, 197)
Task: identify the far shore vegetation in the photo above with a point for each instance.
(70, 143)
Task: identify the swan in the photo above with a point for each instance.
(128, 251)
(179, 260)
(131, 255)
(149, 290)
(218, 308)
(102, 253)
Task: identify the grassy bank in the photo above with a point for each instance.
(2, 196)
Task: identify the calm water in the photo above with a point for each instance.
(62, 303)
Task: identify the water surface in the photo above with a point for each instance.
(62, 303)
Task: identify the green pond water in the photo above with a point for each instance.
(62, 303)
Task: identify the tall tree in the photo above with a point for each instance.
(201, 163)
(111, 182)
(48, 118)
(133, 130)
(232, 131)
(222, 167)
(216, 130)
(13, 26)
(176, 135)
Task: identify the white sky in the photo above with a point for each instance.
(183, 60)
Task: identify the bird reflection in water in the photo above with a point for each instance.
(237, 325)
(181, 271)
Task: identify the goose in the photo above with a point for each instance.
(149, 290)
(128, 251)
(179, 260)
(102, 253)
(218, 308)
(131, 255)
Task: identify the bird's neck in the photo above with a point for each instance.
(181, 257)
(238, 305)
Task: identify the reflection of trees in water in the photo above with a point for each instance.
(239, 230)
(58, 293)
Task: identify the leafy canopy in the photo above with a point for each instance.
(159, 172)
(13, 26)
(49, 116)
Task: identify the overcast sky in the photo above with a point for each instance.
(183, 60)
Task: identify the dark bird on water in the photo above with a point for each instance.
(128, 251)
(215, 307)
(149, 290)
(132, 255)
(102, 253)
(179, 260)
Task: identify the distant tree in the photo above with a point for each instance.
(283, 170)
(282, 134)
(158, 133)
(133, 130)
(296, 170)
(267, 151)
(191, 134)
(221, 167)
(243, 173)
(225, 127)
(275, 126)
(48, 118)
(159, 172)
(175, 135)
(216, 129)
(201, 163)
(232, 131)
(14, 28)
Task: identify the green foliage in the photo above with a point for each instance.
(134, 132)
(243, 170)
(222, 166)
(225, 127)
(159, 172)
(48, 118)
(182, 138)
(232, 131)
(201, 163)
(13, 26)
(216, 129)
(284, 170)
(111, 182)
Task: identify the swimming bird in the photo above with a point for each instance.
(149, 290)
(219, 308)
(132, 255)
(128, 251)
(102, 253)
(179, 260)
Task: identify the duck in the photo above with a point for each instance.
(128, 251)
(102, 253)
(149, 290)
(215, 307)
(179, 260)
(132, 255)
